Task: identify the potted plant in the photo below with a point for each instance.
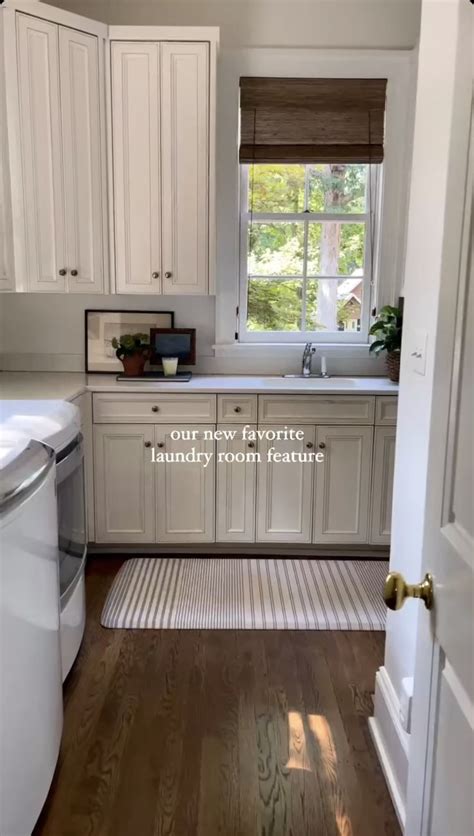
(133, 350)
(388, 332)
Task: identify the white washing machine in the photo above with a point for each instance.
(58, 424)
(31, 711)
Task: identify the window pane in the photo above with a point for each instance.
(274, 305)
(334, 305)
(276, 188)
(276, 249)
(337, 188)
(336, 249)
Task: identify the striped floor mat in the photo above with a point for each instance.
(192, 593)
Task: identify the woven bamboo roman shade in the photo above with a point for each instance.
(312, 120)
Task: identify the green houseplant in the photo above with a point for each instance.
(133, 350)
(387, 329)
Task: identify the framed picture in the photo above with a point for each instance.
(173, 342)
(101, 326)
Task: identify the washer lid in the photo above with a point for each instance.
(23, 465)
(56, 423)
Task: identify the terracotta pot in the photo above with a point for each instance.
(393, 366)
(134, 364)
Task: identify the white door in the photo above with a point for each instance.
(342, 484)
(83, 174)
(41, 152)
(185, 490)
(236, 487)
(185, 166)
(441, 763)
(382, 485)
(135, 99)
(285, 489)
(124, 487)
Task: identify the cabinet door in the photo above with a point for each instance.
(342, 485)
(185, 491)
(83, 175)
(285, 490)
(236, 487)
(41, 153)
(185, 166)
(382, 485)
(124, 484)
(136, 166)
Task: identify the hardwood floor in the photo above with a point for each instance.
(198, 733)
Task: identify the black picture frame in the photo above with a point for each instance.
(106, 361)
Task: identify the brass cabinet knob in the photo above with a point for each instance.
(237, 409)
(251, 444)
(155, 409)
(62, 271)
(155, 275)
(168, 275)
(160, 444)
(322, 445)
(73, 272)
(147, 443)
(397, 590)
(309, 445)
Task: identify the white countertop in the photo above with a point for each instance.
(68, 385)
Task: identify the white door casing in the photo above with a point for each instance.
(236, 488)
(382, 485)
(185, 167)
(135, 100)
(285, 491)
(124, 487)
(185, 491)
(342, 484)
(83, 175)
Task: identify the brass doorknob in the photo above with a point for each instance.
(397, 590)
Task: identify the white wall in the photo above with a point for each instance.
(378, 25)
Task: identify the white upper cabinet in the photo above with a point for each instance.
(135, 100)
(83, 171)
(54, 85)
(42, 154)
(185, 166)
(162, 145)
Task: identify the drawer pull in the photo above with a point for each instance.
(168, 275)
(237, 409)
(309, 445)
(251, 444)
(147, 443)
(155, 275)
(155, 409)
(160, 444)
(322, 445)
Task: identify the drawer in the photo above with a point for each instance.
(386, 411)
(316, 409)
(154, 409)
(237, 409)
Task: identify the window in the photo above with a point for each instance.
(306, 251)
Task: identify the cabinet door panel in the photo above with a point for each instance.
(41, 152)
(185, 491)
(185, 166)
(342, 485)
(80, 113)
(136, 166)
(236, 489)
(382, 485)
(124, 484)
(285, 491)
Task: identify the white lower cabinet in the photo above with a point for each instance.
(382, 485)
(342, 485)
(184, 491)
(285, 490)
(236, 487)
(124, 483)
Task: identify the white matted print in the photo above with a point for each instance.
(102, 326)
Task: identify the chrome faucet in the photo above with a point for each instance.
(309, 351)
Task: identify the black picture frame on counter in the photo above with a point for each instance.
(102, 324)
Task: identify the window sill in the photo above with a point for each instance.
(290, 350)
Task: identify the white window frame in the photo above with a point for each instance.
(369, 217)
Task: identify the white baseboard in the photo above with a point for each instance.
(391, 741)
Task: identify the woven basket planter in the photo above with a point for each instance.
(393, 366)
